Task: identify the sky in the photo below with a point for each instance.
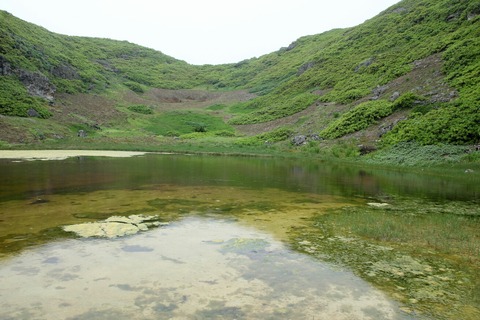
(198, 31)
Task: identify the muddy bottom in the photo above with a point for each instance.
(197, 268)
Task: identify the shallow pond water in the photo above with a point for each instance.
(233, 238)
(197, 268)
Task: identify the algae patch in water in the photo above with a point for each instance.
(424, 254)
(114, 226)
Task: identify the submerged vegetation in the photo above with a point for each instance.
(425, 254)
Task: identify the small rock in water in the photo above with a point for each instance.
(114, 226)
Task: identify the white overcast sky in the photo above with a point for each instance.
(198, 31)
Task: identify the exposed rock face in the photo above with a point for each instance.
(305, 67)
(400, 10)
(5, 67)
(292, 46)
(37, 84)
(107, 65)
(364, 64)
(65, 71)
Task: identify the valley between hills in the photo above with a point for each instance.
(402, 88)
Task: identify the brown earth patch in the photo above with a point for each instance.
(167, 99)
(87, 109)
(11, 133)
(310, 120)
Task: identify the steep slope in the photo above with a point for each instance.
(409, 74)
(358, 64)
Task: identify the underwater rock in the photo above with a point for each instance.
(114, 227)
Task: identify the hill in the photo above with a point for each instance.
(408, 77)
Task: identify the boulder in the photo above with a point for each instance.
(366, 149)
(394, 96)
(299, 140)
(65, 71)
(378, 91)
(33, 113)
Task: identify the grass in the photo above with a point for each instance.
(447, 228)
(414, 154)
(176, 123)
(425, 254)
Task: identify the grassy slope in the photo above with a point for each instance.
(337, 70)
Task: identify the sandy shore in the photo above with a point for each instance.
(63, 154)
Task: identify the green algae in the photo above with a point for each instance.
(105, 215)
(424, 254)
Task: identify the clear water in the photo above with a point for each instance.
(224, 255)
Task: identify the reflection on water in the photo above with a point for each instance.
(198, 268)
(220, 257)
(35, 179)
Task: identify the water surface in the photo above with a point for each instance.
(228, 252)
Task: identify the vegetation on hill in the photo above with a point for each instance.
(346, 82)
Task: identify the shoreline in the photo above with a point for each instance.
(64, 154)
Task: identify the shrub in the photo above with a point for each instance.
(198, 126)
(277, 135)
(135, 87)
(407, 100)
(358, 118)
(140, 108)
(452, 123)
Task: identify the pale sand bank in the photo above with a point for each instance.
(63, 154)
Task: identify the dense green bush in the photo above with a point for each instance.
(280, 134)
(407, 100)
(198, 126)
(135, 87)
(358, 118)
(452, 123)
(140, 108)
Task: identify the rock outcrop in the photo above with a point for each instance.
(37, 84)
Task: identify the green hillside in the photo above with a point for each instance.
(410, 74)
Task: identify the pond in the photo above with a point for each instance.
(212, 237)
